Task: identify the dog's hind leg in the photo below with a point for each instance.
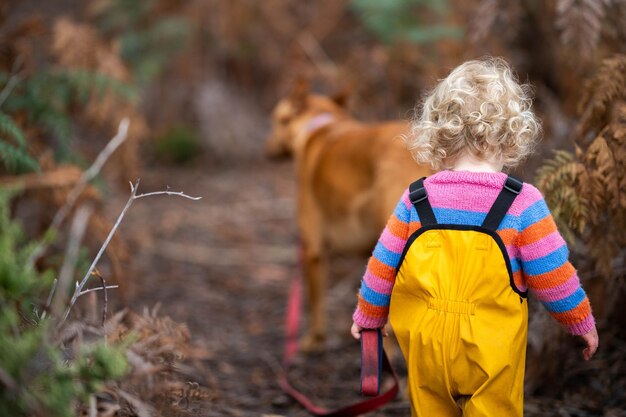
(315, 273)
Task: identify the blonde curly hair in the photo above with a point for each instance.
(480, 110)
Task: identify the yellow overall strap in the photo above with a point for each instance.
(512, 187)
(419, 199)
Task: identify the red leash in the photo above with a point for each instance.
(373, 361)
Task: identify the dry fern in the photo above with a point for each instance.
(79, 47)
(491, 13)
(588, 192)
(580, 23)
(161, 380)
(559, 179)
(600, 92)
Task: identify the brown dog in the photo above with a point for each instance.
(350, 176)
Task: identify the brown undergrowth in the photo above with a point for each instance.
(164, 377)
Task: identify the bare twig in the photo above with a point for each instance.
(8, 88)
(78, 291)
(106, 296)
(93, 411)
(88, 175)
(49, 299)
(13, 81)
(167, 192)
(7, 381)
(87, 291)
(56, 300)
(79, 286)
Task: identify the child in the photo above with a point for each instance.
(452, 268)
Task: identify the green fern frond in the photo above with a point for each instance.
(16, 160)
(48, 98)
(83, 84)
(15, 157)
(9, 128)
(56, 123)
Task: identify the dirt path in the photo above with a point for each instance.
(222, 265)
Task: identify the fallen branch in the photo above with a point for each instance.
(88, 175)
(78, 291)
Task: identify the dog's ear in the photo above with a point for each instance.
(299, 93)
(343, 94)
(342, 97)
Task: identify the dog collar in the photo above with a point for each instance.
(317, 122)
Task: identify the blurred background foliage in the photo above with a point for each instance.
(406, 20)
(44, 101)
(146, 44)
(177, 145)
(200, 77)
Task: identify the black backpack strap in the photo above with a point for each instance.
(512, 187)
(419, 199)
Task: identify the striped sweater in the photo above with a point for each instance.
(538, 253)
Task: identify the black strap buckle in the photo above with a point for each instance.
(513, 185)
(418, 195)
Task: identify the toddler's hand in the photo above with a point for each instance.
(591, 339)
(356, 331)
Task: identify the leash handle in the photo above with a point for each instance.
(291, 348)
(365, 406)
(371, 361)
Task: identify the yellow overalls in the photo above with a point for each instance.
(459, 319)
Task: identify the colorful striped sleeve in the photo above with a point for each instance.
(377, 284)
(547, 271)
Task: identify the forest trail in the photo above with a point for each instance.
(222, 265)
